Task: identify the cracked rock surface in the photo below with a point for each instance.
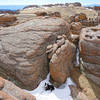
(61, 55)
(23, 55)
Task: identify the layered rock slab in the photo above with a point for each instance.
(7, 20)
(23, 49)
(9, 91)
(90, 52)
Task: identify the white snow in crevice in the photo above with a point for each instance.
(77, 57)
(61, 93)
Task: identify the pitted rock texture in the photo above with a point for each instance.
(9, 91)
(90, 52)
(86, 22)
(61, 55)
(23, 49)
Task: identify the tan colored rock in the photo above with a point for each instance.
(2, 82)
(74, 38)
(60, 42)
(92, 68)
(76, 94)
(26, 60)
(88, 87)
(76, 28)
(91, 59)
(89, 46)
(54, 14)
(5, 96)
(83, 16)
(89, 39)
(71, 18)
(98, 13)
(7, 20)
(49, 47)
(77, 19)
(41, 13)
(61, 62)
(12, 92)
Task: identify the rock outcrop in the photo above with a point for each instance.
(31, 6)
(50, 14)
(7, 20)
(8, 12)
(23, 49)
(76, 28)
(86, 22)
(89, 52)
(96, 8)
(85, 88)
(61, 55)
(77, 4)
(77, 94)
(78, 17)
(9, 91)
(54, 14)
(41, 13)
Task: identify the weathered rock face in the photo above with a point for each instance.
(9, 91)
(50, 14)
(89, 52)
(42, 13)
(98, 13)
(61, 55)
(97, 19)
(78, 17)
(31, 6)
(76, 28)
(23, 49)
(54, 14)
(77, 4)
(85, 87)
(7, 20)
(74, 39)
(8, 12)
(86, 22)
(76, 94)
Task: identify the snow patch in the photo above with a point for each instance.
(61, 93)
